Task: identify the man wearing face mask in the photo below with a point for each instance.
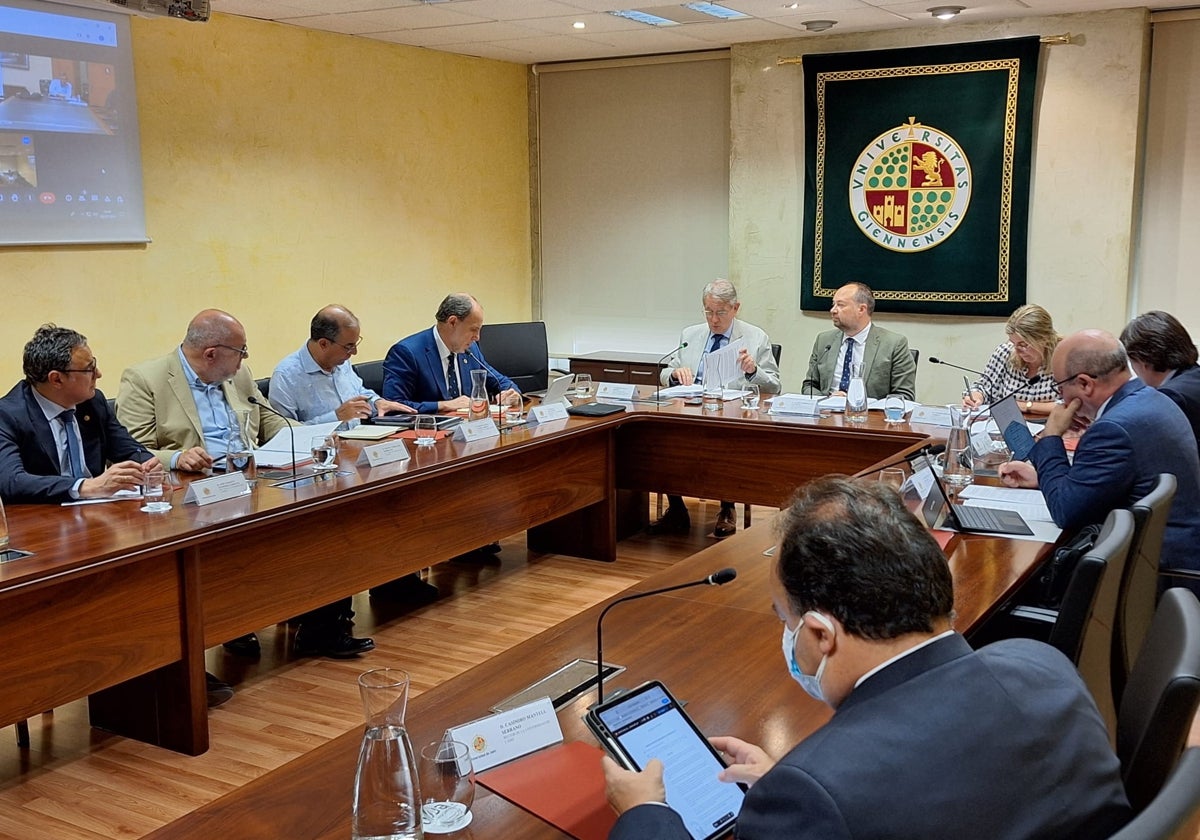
(927, 735)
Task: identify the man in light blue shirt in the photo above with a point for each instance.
(317, 383)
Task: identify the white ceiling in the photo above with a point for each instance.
(535, 31)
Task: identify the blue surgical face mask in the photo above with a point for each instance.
(811, 683)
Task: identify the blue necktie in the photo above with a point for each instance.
(844, 384)
(452, 377)
(717, 342)
(68, 420)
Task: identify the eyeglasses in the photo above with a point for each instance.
(90, 370)
(243, 351)
(716, 313)
(351, 347)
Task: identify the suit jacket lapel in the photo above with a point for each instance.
(45, 434)
(869, 354)
(437, 369)
(183, 392)
(92, 434)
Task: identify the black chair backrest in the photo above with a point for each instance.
(1084, 628)
(519, 351)
(916, 354)
(1161, 697)
(776, 351)
(371, 373)
(1175, 813)
(1139, 585)
(264, 385)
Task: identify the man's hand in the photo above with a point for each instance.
(747, 362)
(459, 403)
(1018, 474)
(355, 408)
(684, 375)
(194, 460)
(123, 476)
(387, 406)
(748, 763)
(153, 465)
(511, 396)
(627, 788)
(1062, 418)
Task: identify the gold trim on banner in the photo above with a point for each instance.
(1012, 66)
(1065, 39)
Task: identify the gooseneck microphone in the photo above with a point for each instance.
(931, 450)
(935, 360)
(291, 431)
(665, 356)
(809, 383)
(719, 578)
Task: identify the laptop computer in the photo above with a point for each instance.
(557, 392)
(969, 519)
(1013, 427)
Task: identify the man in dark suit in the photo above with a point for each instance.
(57, 434)
(1135, 433)
(928, 736)
(1163, 355)
(431, 370)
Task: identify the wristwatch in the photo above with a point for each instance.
(1028, 406)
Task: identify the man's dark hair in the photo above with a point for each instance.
(459, 306)
(1159, 341)
(49, 349)
(328, 323)
(851, 549)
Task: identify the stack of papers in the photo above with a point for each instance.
(1029, 503)
(278, 451)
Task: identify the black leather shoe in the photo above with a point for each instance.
(218, 692)
(409, 589)
(244, 646)
(335, 642)
(726, 523)
(491, 548)
(675, 521)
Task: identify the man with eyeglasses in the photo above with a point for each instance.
(57, 433)
(317, 383)
(756, 362)
(1135, 433)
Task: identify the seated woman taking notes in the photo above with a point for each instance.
(1026, 354)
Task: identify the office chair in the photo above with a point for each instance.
(519, 351)
(371, 374)
(1139, 586)
(1160, 698)
(916, 354)
(1175, 813)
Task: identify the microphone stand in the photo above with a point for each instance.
(291, 433)
(719, 578)
(658, 400)
(928, 449)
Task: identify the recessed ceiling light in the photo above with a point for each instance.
(644, 17)
(715, 10)
(818, 25)
(579, 25)
(792, 6)
(945, 12)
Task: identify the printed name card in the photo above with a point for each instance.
(800, 406)
(476, 430)
(615, 391)
(933, 415)
(507, 735)
(215, 489)
(546, 413)
(383, 453)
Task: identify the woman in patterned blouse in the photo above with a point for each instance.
(1026, 354)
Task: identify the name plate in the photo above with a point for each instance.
(216, 489)
(800, 406)
(387, 452)
(501, 737)
(476, 430)
(546, 413)
(932, 415)
(615, 390)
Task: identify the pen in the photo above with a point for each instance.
(966, 387)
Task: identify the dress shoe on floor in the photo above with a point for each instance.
(335, 642)
(674, 521)
(244, 646)
(218, 692)
(409, 589)
(726, 523)
(491, 548)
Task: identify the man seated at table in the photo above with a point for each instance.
(755, 361)
(1163, 355)
(317, 384)
(1134, 433)
(927, 736)
(180, 404)
(888, 365)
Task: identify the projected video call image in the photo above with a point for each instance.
(18, 161)
(42, 93)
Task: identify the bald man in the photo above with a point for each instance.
(1134, 433)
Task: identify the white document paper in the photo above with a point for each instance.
(278, 452)
(1031, 504)
(724, 362)
(119, 496)
(693, 390)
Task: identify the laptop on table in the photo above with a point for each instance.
(970, 519)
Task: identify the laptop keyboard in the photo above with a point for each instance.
(980, 518)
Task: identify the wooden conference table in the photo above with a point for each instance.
(119, 605)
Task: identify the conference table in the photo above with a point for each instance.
(119, 605)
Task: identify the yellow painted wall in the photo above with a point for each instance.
(285, 169)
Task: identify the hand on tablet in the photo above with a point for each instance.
(747, 763)
(627, 788)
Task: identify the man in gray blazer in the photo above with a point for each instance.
(888, 366)
(757, 364)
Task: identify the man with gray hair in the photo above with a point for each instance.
(757, 364)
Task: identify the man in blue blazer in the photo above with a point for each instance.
(431, 370)
(1163, 355)
(57, 434)
(1135, 434)
(928, 738)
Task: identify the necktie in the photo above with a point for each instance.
(452, 377)
(844, 384)
(717, 342)
(68, 420)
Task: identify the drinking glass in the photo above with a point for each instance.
(425, 427)
(583, 386)
(514, 412)
(154, 491)
(750, 396)
(713, 394)
(447, 782)
(892, 477)
(893, 408)
(323, 452)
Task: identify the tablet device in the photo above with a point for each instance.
(1013, 427)
(647, 723)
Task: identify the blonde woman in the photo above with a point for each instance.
(1026, 354)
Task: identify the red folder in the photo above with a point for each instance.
(562, 785)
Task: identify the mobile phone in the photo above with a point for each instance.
(647, 722)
